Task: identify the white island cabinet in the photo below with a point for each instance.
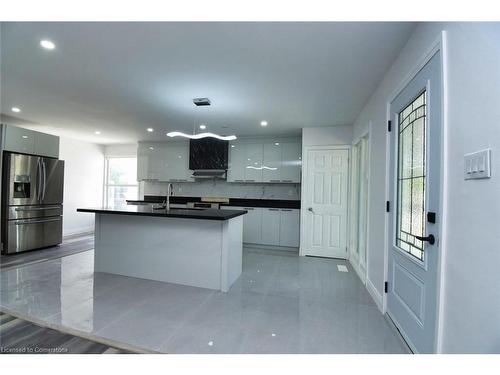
(201, 248)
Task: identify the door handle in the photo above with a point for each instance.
(310, 209)
(24, 222)
(44, 179)
(38, 208)
(38, 184)
(430, 238)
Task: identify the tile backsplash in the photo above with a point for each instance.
(215, 188)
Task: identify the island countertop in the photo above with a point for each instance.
(183, 213)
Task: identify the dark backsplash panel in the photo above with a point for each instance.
(239, 202)
(208, 153)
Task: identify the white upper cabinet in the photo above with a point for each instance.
(163, 161)
(237, 158)
(30, 142)
(47, 145)
(150, 160)
(253, 162)
(291, 162)
(271, 166)
(270, 160)
(177, 163)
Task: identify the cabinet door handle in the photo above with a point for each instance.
(239, 180)
(286, 209)
(286, 180)
(250, 180)
(248, 208)
(274, 180)
(273, 209)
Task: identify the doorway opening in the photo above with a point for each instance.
(358, 241)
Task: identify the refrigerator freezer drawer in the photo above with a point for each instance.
(27, 212)
(30, 234)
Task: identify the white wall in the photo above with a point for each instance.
(327, 136)
(83, 183)
(470, 294)
(129, 149)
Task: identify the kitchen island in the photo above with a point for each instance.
(194, 247)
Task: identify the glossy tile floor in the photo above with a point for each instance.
(280, 304)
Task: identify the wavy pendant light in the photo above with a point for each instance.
(201, 102)
(202, 135)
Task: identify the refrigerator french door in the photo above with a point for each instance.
(32, 197)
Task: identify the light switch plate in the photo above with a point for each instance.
(477, 165)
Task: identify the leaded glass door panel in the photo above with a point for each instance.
(414, 219)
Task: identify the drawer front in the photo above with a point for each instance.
(28, 212)
(29, 234)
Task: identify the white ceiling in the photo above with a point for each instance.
(121, 78)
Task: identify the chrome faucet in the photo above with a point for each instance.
(170, 192)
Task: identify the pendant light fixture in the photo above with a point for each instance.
(202, 135)
(201, 102)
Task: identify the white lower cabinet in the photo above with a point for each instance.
(252, 229)
(270, 226)
(289, 227)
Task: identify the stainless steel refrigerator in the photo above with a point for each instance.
(32, 198)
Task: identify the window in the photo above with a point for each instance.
(121, 180)
(411, 177)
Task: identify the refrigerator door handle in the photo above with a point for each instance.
(37, 208)
(44, 179)
(24, 222)
(38, 179)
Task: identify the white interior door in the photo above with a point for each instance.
(413, 254)
(325, 202)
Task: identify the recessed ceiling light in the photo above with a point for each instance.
(16, 109)
(97, 132)
(47, 44)
(151, 148)
(232, 146)
(276, 143)
(263, 123)
(150, 130)
(203, 126)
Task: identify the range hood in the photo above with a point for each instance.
(209, 173)
(208, 158)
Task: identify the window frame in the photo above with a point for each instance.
(107, 185)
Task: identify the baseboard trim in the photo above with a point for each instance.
(377, 297)
(271, 247)
(359, 271)
(86, 232)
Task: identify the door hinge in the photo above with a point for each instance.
(386, 287)
(387, 206)
(389, 127)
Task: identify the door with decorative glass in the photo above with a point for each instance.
(413, 255)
